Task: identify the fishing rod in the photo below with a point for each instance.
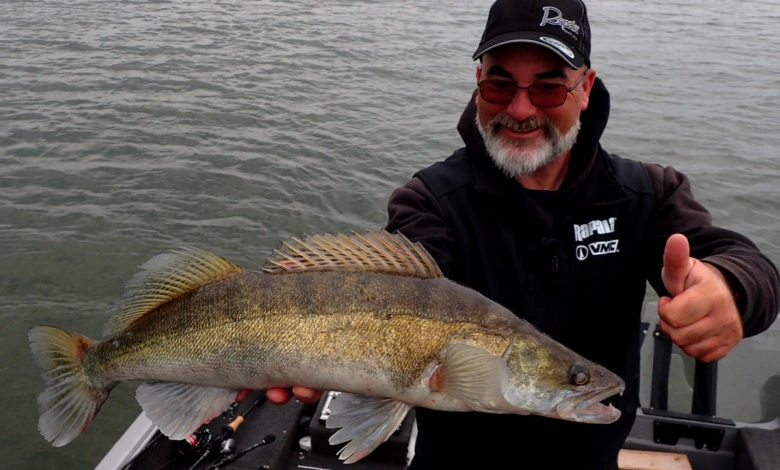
(224, 440)
(227, 459)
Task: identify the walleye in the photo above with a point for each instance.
(367, 314)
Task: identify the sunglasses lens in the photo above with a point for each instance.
(542, 95)
(547, 95)
(497, 92)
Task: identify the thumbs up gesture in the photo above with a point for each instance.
(701, 316)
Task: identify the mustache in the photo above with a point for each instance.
(526, 125)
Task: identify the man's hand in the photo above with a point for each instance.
(701, 317)
(280, 396)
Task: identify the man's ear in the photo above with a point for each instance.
(479, 76)
(587, 86)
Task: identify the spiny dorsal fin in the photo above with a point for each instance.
(378, 251)
(163, 278)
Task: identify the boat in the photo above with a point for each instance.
(254, 434)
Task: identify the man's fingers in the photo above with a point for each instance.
(306, 394)
(684, 309)
(705, 348)
(709, 338)
(278, 396)
(677, 264)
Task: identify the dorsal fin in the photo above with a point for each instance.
(163, 278)
(378, 251)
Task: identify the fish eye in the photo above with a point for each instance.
(578, 375)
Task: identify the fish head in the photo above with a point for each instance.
(549, 379)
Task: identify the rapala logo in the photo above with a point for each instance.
(596, 249)
(594, 227)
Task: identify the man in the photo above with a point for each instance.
(534, 214)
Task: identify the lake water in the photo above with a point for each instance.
(128, 128)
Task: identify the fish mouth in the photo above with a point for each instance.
(587, 407)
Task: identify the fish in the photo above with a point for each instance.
(367, 314)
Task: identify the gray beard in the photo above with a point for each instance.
(512, 158)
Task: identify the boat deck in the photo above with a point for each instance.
(294, 436)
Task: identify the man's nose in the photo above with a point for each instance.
(521, 107)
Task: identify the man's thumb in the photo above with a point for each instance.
(677, 263)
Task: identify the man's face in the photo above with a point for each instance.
(520, 136)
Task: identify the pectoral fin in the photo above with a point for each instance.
(473, 375)
(365, 423)
(180, 409)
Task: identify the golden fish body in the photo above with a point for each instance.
(366, 314)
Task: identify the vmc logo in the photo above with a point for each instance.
(597, 248)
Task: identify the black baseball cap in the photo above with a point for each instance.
(558, 25)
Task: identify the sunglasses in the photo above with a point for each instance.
(541, 95)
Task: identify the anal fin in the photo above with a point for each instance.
(365, 423)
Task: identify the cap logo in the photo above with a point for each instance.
(558, 45)
(558, 20)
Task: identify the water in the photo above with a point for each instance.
(127, 128)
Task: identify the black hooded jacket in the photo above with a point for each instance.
(574, 262)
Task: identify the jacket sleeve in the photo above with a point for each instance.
(753, 277)
(413, 211)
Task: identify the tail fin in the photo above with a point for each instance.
(70, 401)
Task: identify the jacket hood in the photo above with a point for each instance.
(593, 122)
